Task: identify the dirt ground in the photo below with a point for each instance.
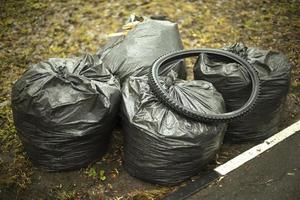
(32, 30)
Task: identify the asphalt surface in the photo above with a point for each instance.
(274, 175)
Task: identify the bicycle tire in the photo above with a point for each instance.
(164, 97)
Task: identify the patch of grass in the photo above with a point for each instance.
(95, 174)
(33, 30)
(65, 195)
(148, 194)
(15, 168)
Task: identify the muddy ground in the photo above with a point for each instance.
(32, 30)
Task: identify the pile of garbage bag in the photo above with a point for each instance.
(162, 146)
(133, 53)
(234, 84)
(64, 111)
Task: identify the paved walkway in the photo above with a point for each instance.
(274, 175)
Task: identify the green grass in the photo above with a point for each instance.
(33, 30)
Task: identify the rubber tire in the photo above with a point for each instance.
(164, 97)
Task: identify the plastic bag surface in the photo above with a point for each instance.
(64, 111)
(134, 53)
(161, 146)
(235, 86)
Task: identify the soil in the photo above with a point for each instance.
(32, 30)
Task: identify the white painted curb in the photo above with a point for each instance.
(258, 149)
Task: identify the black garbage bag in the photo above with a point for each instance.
(133, 54)
(164, 147)
(235, 86)
(64, 111)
